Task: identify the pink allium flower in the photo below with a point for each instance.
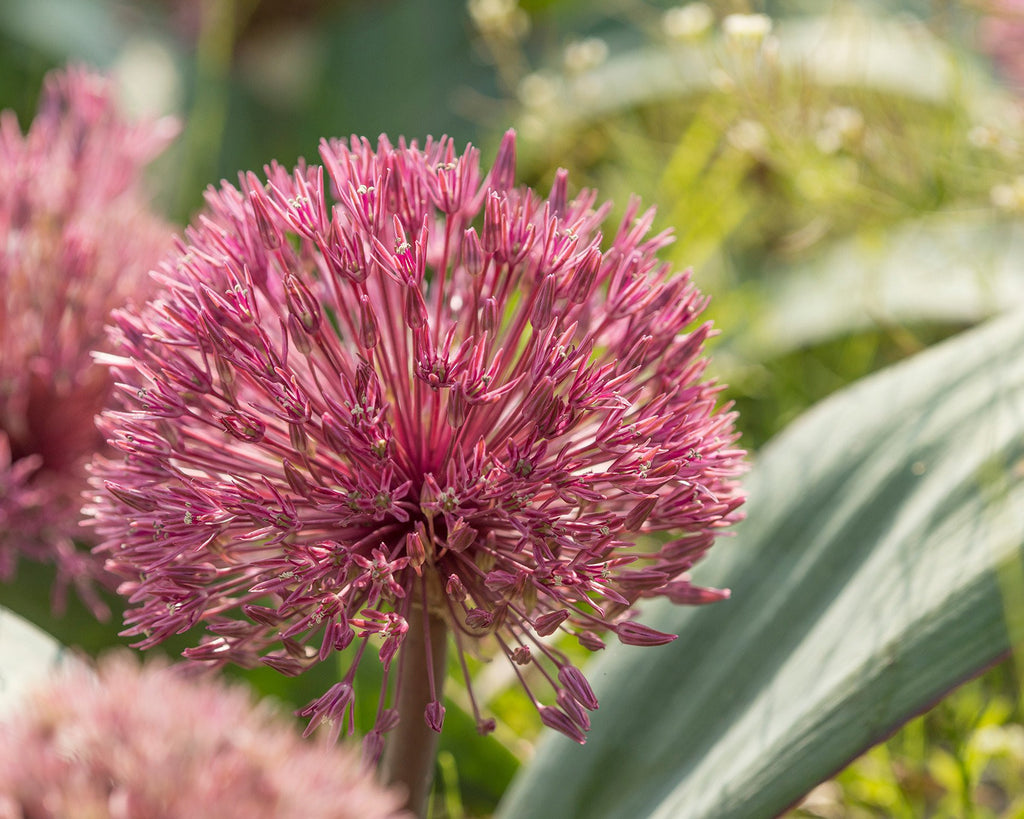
(391, 382)
(1001, 36)
(133, 741)
(76, 239)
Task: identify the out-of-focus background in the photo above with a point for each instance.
(846, 178)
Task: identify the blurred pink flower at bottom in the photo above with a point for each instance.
(146, 741)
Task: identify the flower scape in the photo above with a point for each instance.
(131, 740)
(77, 237)
(391, 383)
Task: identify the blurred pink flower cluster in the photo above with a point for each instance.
(1001, 36)
(131, 741)
(76, 239)
(393, 381)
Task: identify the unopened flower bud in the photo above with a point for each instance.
(269, 232)
(559, 193)
(581, 285)
(557, 719)
(455, 589)
(302, 304)
(542, 314)
(590, 641)
(639, 513)
(457, 407)
(576, 684)
(434, 714)
(494, 224)
(415, 307)
(549, 622)
(503, 172)
(415, 549)
(461, 536)
(472, 253)
(368, 336)
(637, 634)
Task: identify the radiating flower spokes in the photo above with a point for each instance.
(391, 390)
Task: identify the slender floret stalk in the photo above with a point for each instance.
(77, 238)
(389, 397)
(410, 750)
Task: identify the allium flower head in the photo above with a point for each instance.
(145, 741)
(76, 239)
(392, 382)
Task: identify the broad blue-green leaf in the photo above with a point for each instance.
(27, 656)
(31, 595)
(867, 581)
(82, 29)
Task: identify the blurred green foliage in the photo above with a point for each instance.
(256, 81)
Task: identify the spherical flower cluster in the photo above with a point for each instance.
(76, 239)
(391, 385)
(145, 741)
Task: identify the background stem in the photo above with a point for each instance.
(412, 745)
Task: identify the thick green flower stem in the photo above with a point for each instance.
(412, 745)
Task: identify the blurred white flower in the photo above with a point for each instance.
(688, 22)
(983, 136)
(147, 78)
(1009, 196)
(746, 30)
(748, 136)
(1000, 740)
(583, 55)
(499, 18)
(842, 127)
(537, 90)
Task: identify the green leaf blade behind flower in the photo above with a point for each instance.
(866, 582)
